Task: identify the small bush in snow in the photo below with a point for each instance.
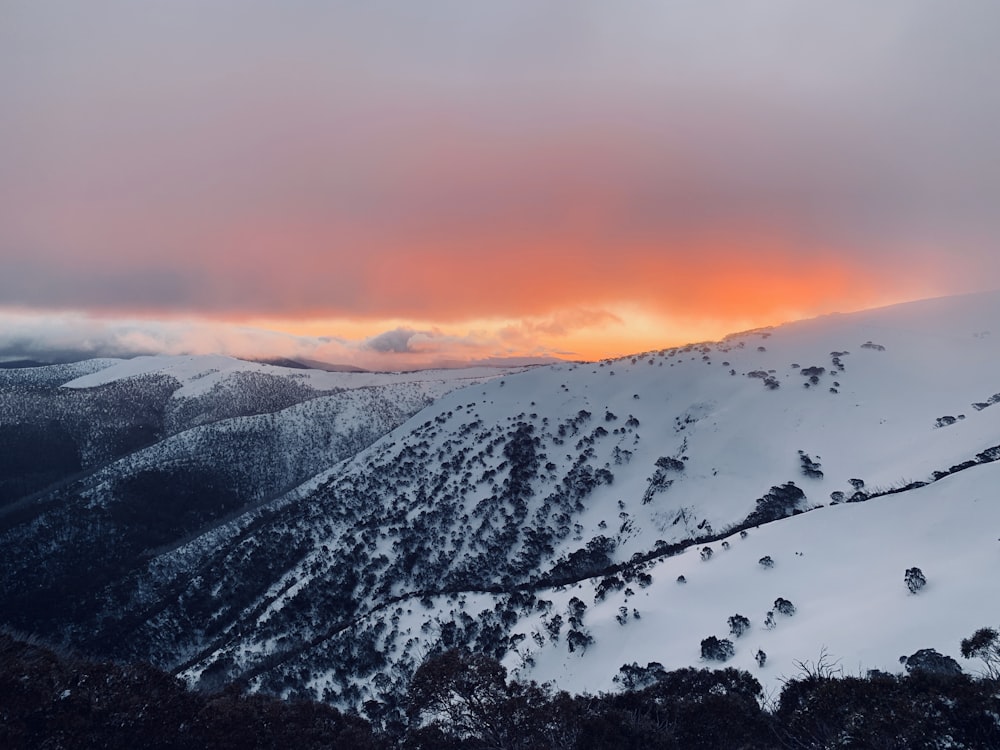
(576, 609)
(761, 657)
(554, 626)
(914, 579)
(766, 561)
(669, 464)
(810, 468)
(716, 649)
(578, 641)
(633, 677)
(784, 606)
(779, 502)
(706, 553)
(738, 625)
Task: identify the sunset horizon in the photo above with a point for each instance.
(380, 345)
(394, 188)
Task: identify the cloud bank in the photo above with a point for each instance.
(61, 337)
(734, 161)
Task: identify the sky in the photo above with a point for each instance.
(395, 184)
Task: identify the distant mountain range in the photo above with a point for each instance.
(307, 364)
(321, 533)
(60, 357)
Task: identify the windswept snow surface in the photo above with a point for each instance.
(198, 374)
(841, 566)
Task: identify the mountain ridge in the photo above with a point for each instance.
(456, 527)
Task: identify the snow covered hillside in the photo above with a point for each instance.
(461, 526)
(841, 567)
(106, 462)
(544, 518)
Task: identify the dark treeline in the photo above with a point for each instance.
(463, 700)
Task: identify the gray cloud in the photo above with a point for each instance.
(397, 341)
(63, 337)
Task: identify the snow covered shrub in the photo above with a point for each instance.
(766, 561)
(589, 561)
(716, 649)
(738, 625)
(669, 464)
(761, 657)
(706, 553)
(610, 583)
(577, 640)
(576, 610)
(914, 579)
(784, 606)
(554, 626)
(633, 677)
(779, 502)
(810, 468)
(769, 620)
(681, 579)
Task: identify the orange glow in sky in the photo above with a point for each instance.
(371, 184)
(635, 303)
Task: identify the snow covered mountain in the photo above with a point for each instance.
(105, 463)
(568, 520)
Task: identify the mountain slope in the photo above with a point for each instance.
(517, 516)
(451, 529)
(842, 567)
(109, 462)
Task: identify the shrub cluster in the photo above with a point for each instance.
(458, 699)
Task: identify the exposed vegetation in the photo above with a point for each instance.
(457, 699)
